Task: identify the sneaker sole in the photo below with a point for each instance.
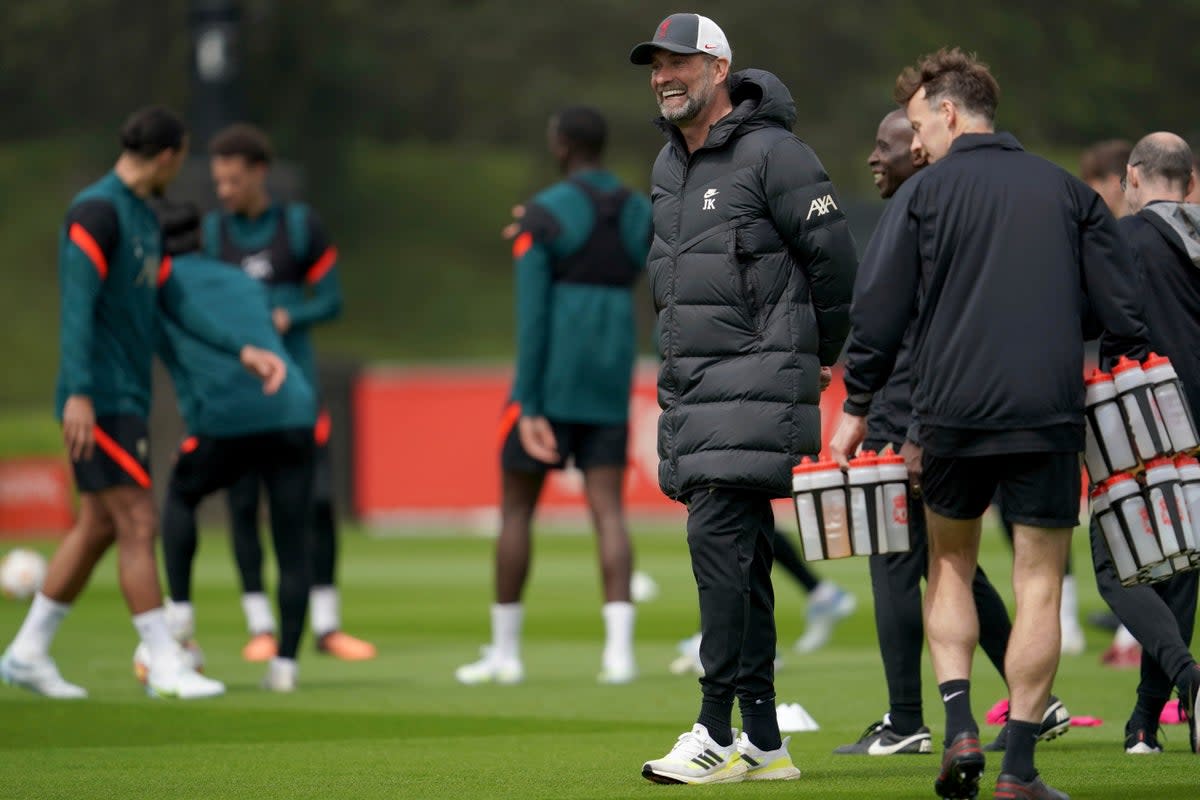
(779, 774)
(962, 779)
(731, 774)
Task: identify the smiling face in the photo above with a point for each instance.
(684, 85)
(892, 162)
(240, 185)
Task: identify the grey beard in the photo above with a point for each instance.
(685, 113)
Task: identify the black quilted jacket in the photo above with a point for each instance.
(751, 268)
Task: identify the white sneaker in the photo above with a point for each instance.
(490, 669)
(282, 675)
(696, 758)
(40, 676)
(823, 616)
(767, 765)
(688, 660)
(173, 676)
(618, 671)
(1073, 640)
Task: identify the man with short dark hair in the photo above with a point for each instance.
(1101, 167)
(114, 282)
(751, 271)
(580, 246)
(993, 259)
(285, 247)
(1164, 234)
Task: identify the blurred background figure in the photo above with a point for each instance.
(1102, 166)
(580, 246)
(285, 247)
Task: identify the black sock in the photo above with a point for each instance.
(906, 718)
(1147, 711)
(760, 723)
(956, 695)
(718, 719)
(1018, 757)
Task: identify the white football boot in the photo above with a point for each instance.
(40, 676)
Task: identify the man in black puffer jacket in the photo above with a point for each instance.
(751, 269)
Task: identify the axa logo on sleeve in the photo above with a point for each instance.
(710, 200)
(821, 206)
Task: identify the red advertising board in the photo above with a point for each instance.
(426, 446)
(35, 496)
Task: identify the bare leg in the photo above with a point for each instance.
(951, 622)
(132, 512)
(519, 496)
(1039, 561)
(603, 486)
(72, 563)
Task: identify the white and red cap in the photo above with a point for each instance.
(684, 33)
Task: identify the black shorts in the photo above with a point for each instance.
(1039, 489)
(585, 445)
(206, 464)
(121, 456)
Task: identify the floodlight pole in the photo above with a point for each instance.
(216, 94)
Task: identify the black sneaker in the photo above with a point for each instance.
(962, 764)
(1055, 722)
(1010, 787)
(1141, 739)
(880, 739)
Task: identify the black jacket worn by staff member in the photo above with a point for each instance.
(1165, 240)
(751, 271)
(1006, 252)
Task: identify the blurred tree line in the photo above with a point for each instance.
(419, 125)
(319, 73)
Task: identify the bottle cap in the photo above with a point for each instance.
(1125, 364)
(1113, 480)
(1163, 461)
(1097, 377)
(807, 466)
(1155, 360)
(1183, 460)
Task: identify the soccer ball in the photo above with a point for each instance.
(21, 574)
(141, 659)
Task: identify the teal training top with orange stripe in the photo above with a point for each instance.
(286, 249)
(112, 280)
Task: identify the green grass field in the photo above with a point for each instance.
(399, 726)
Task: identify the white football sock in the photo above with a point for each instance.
(323, 610)
(618, 632)
(181, 620)
(506, 631)
(257, 609)
(1068, 612)
(152, 628)
(37, 631)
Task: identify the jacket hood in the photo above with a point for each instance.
(760, 100)
(1182, 224)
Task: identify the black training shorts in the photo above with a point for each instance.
(121, 456)
(1040, 489)
(586, 445)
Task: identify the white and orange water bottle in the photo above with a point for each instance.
(1172, 404)
(1150, 439)
(893, 480)
(1189, 481)
(1120, 546)
(862, 480)
(1134, 526)
(1108, 449)
(819, 490)
(1168, 513)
